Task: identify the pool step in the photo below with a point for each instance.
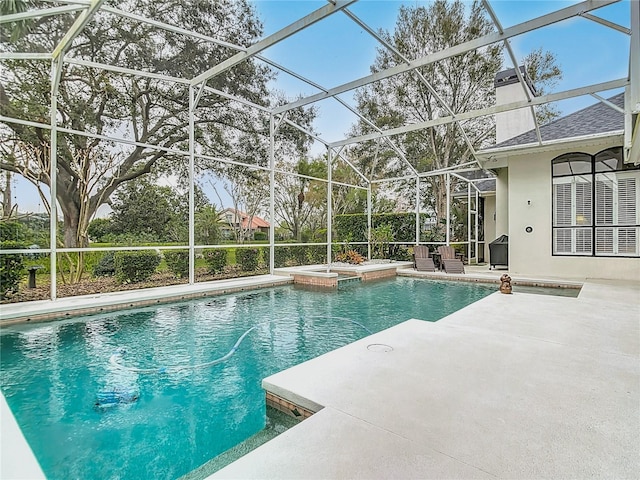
(345, 281)
(276, 423)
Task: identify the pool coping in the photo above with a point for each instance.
(318, 276)
(493, 278)
(355, 269)
(48, 310)
(18, 461)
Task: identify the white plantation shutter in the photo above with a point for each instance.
(583, 197)
(627, 194)
(562, 240)
(562, 204)
(628, 214)
(583, 240)
(617, 206)
(604, 199)
(604, 241)
(572, 207)
(628, 241)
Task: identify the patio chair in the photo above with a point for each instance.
(423, 262)
(450, 262)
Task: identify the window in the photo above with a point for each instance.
(595, 205)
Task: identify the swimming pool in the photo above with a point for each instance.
(51, 373)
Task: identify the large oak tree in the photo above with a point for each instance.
(146, 110)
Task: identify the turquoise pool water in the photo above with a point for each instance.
(51, 373)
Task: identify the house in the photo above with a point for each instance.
(240, 225)
(569, 204)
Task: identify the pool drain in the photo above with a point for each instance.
(379, 347)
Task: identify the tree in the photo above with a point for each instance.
(207, 225)
(354, 200)
(99, 229)
(18, 29)
(152, 212)
(149, 111)
(248, 190)
(144, 210)
(545, 74)
(299, 201)
(463, 82)
(5, 191)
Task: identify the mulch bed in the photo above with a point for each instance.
(95, 285)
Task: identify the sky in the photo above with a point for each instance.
(337, 50)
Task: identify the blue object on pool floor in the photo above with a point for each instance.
(115, 397)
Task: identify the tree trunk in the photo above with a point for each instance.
(440, 198)
(6, 203)
(75, 235)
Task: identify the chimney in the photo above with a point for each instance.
(508, 89)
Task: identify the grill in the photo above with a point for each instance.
(499, 251)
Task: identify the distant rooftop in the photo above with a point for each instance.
(484, 181)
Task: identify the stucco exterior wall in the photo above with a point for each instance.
(502, 202)
(530, 204)
(489, 224)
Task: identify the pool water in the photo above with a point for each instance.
(51, 373)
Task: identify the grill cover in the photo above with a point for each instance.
(499, 251)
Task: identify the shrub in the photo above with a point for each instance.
(281, 256)
(130, 239)
(178, 262)
(401, 254)
(106, 266)
(353, 227)
(137, 266)
(216, 259)
(299, 254)
(247, 258)
(350, 256)
(259, 236)
(344, 247)
(13, 232)
(263, 256)
(11, 268)
(317, 254)
(381, 236)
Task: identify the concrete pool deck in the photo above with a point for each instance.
(512, 386)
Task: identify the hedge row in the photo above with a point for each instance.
(293, 255)
(12, 268)
(135, 266)
(353, 227)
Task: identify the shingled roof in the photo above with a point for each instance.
(595, 119)
(484, 181)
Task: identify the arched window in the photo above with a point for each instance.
(572, 204)
(595, 205)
